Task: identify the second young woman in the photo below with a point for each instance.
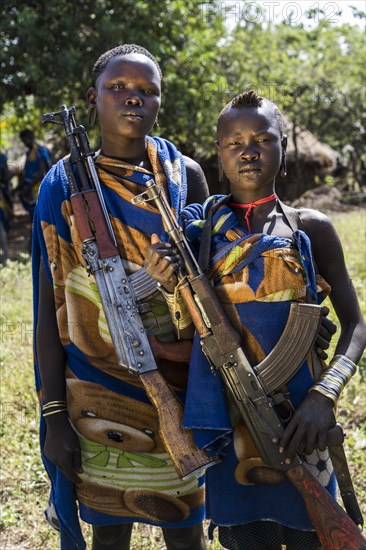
(264, 256)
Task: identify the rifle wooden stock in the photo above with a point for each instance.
(186, 457)
(335, 529)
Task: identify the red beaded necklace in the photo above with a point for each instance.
(251, 205)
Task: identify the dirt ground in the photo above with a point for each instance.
(330, 200)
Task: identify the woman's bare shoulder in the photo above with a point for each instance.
(315, 221)
(196, 181)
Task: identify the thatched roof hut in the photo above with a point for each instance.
(308, 162)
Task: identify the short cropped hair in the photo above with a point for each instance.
(123, 49)
(252, 99)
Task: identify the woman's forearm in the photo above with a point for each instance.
(50, 351)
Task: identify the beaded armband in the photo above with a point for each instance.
(335, 377)
(177, 307)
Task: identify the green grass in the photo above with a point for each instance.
(24, 484)
(351, 228)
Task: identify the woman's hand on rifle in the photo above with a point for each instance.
(161, 263)
(309, 426)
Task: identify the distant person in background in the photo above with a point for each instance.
(37, 164)
(6, 207)
(340, 169)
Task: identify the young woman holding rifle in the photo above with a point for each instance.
(264, 256)
(99, 432)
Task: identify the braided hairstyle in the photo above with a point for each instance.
(251, 99)
(123, 49)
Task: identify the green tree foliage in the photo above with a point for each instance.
(315, 73)
(49, 48)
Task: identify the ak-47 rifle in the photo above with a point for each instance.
(255, 389)
(130, 341)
